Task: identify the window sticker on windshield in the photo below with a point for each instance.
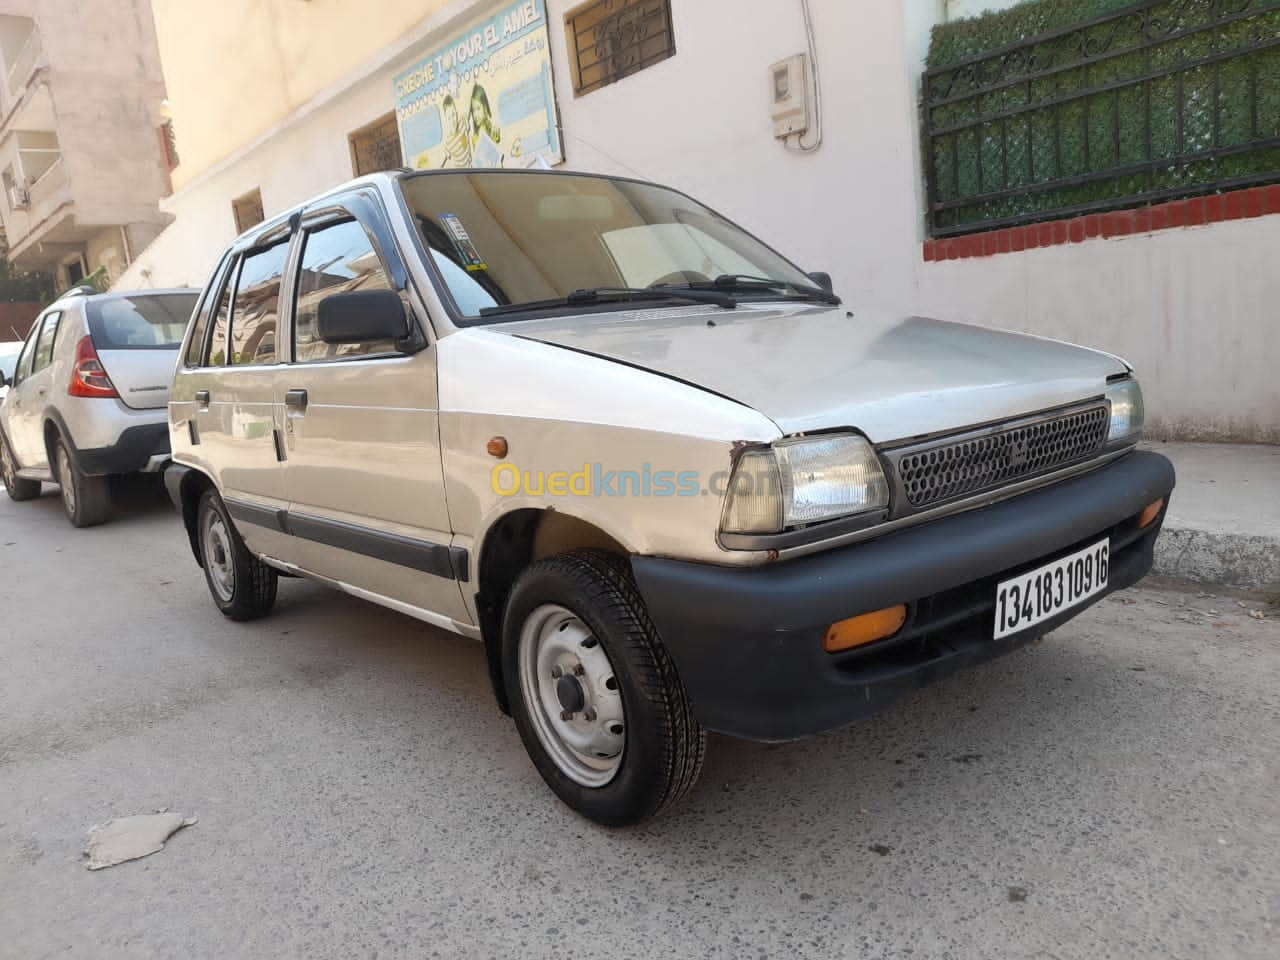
(462, 242)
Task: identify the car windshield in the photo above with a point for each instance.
(153, 321)
(501, 240)
(9, 357)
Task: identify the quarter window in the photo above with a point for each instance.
(218, 343)
(44, 348)
(335, 259)
(257, 306)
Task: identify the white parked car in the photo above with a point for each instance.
(87, 396)
(666, 478)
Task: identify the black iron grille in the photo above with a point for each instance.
(956, 469)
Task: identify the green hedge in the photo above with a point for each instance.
(1030, 135)
(974, 36)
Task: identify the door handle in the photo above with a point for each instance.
(296, 400)
(202, 397)
(42, 390)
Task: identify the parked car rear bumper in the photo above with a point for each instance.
(136, 449)
(748, 643)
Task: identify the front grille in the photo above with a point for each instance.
(946, 470)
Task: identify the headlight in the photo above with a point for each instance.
(1126, 411)
(797, 482)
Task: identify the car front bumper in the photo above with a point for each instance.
(747, 643)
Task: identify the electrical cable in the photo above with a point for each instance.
(800, 145)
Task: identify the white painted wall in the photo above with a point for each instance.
(1189, 307)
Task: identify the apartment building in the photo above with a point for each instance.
(832, 129)
(83, 157)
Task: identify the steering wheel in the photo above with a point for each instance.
(680, 277)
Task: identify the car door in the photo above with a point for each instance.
(31, 394)
(11, 407)
(228, 399)
(363, 468)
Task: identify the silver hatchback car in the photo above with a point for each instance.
(87, 397)
(666, 477)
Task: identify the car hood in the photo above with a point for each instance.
(815, 368)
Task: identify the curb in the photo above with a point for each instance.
(1228, 559)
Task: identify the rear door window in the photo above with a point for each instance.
(256, 309)
(150, 322)
(28, 354)
(44, 346)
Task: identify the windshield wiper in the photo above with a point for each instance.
(746, 283)
(594, 295)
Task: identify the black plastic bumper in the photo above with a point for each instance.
(130, 453)
(747, 642)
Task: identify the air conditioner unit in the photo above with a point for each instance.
(19, 198)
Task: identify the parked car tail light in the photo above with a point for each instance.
(798, 482)
(89, 377)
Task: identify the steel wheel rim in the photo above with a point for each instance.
(66, 481)
(560, 657)
(216, 540)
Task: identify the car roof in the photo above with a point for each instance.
(80, 294)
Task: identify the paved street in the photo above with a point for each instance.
(1112, 792)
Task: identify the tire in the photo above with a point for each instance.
(242, 586)
(86, 500)
(18, 488)
(632, 747)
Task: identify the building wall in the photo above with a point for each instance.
(1188, 307)
(107, 88)
(296, 48)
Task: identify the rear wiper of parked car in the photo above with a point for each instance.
(594, 295)
(746, 283)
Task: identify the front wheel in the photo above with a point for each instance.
(19, 489)
(86, 500)
(595, 695)
(243, 587)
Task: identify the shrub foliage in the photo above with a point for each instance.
(1065, 106)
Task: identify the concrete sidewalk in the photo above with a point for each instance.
(1224, 520)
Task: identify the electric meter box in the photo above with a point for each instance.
(789, 89)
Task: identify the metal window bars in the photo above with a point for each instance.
(1157, 100)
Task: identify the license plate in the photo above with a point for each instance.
(1028, 599)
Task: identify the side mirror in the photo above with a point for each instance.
(823, 280)
(362, 316)
(4, 380)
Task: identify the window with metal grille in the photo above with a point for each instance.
(376, 146)
(248, 210)
(612, 39)
(168, 145)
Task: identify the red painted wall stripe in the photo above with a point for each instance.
(1216, 208)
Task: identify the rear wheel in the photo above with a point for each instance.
(86, 500)
(19, 489)
(243, 587)
(595, 695)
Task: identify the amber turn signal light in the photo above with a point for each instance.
(864, 629)
(497, 447)
(1150, 513)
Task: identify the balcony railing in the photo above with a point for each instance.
(48, 186)
(1158, 100)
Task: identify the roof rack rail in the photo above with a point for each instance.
(80, 290)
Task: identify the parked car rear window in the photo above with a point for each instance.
(142, 322)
